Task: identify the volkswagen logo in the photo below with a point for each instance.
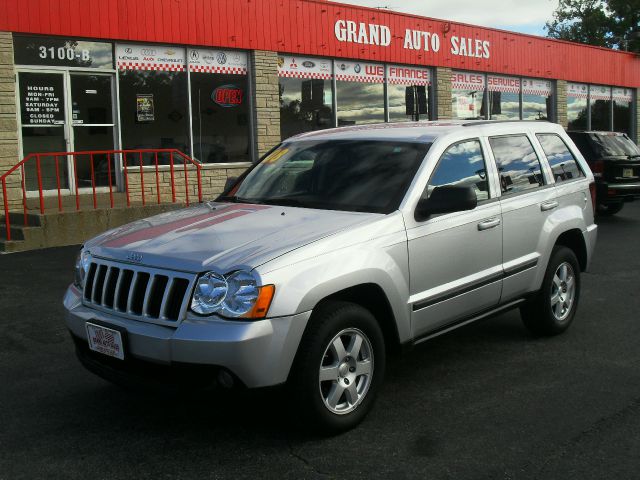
(221, 58)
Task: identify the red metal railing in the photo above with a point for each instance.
(56, 166)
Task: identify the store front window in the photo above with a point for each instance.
(359, 92)
(504, 97)
(467, 95)
(154, 108)
(408, 93)
(219, 105)
(306, 94)
(622, 110)
(600, 100)
(577, 99)
(537, 99)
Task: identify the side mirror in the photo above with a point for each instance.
(446, 199)
(228, 185)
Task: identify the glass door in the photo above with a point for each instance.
(93, 126)
(44, 128)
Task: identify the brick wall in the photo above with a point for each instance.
(267, 100)
(8, 120)
(444, 108)
(561, 103)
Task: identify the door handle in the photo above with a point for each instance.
(487, 224)
(546, 206)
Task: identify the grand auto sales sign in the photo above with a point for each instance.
(381, 35)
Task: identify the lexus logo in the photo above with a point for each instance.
(134, 257)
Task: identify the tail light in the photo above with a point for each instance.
(597, 168)
(592, 190)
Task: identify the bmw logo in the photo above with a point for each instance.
(357, 68)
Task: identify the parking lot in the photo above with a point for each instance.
(485, 402)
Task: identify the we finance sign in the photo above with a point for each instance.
(348, 31)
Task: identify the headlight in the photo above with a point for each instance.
(235, 295)
(83, 262)
(210, 291)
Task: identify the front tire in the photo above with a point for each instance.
(552, 310)
(339, 367)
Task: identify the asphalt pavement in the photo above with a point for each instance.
(485, 402)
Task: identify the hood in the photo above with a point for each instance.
(220, 236)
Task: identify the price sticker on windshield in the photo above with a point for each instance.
(275, 156)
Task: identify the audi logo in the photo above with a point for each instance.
(148, 51)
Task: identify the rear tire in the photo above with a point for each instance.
(553, 308)
(609, 209)
(339, 367)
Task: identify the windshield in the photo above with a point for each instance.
(351, 175)
(614, 145)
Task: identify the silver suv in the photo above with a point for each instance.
(338, 247)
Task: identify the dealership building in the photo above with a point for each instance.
(169, 98)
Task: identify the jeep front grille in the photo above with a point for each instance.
(141, 293)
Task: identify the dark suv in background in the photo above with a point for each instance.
(615, 162)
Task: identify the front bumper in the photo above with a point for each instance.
(259, 353)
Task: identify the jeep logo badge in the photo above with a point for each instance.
(134, 257)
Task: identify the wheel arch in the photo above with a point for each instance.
(372, 297)
(574, 240)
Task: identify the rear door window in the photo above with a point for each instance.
(518, 165)
(562, 162)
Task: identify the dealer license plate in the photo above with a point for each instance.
(627, 172)
(105, 340)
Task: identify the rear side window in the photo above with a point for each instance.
(462, 165)
(562, 162)
(518, 164)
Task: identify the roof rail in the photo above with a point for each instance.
(491, 122)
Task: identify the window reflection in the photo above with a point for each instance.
(561, 160)
(577, 113)
(359, 103)
(305, 105)
(536, 107)
(467, 104)
(462, 165)
(517, 163)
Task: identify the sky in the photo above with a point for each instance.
(524, 16)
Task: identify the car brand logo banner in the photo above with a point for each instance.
(229, 62)
(622, 95)
(303, 67)
(598, 92)
(577, 90)
(532, 86)
(156, 58)
(404, 75)
(359, 72)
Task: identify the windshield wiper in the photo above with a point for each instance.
(284, 201)
(236, 199)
